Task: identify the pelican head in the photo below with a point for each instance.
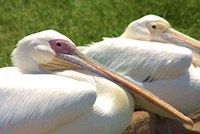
(155, 28)
(49, 51)
(38, 49)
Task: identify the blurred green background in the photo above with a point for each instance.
(86, 21)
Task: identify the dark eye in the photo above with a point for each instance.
(58, 44)
(154, 26)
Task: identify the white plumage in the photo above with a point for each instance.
(65, 106)
(63, 102)
(165, 69)
(42, 94)
(144, 61)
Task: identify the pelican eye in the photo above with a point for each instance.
(58, 44)
(154, 26)
(157, 27)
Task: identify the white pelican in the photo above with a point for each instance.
(165, 69)
(155, 28)
(46, 96)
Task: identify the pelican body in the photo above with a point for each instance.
(143, 54)
(166, 74)
(66, 105)
(55, 89)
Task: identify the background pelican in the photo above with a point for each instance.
(165, 69)
(156, 29)
(46, 96)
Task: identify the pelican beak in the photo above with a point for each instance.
(172, 36)
(142, 96)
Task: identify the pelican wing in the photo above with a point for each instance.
(9, 70)
(37, 104)
(141, 60)
(182, 92)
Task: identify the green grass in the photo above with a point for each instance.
(84, 21)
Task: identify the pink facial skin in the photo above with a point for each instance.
(62, 46)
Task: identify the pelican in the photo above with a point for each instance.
(157, 29)
(149, 52)
(46, 96)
